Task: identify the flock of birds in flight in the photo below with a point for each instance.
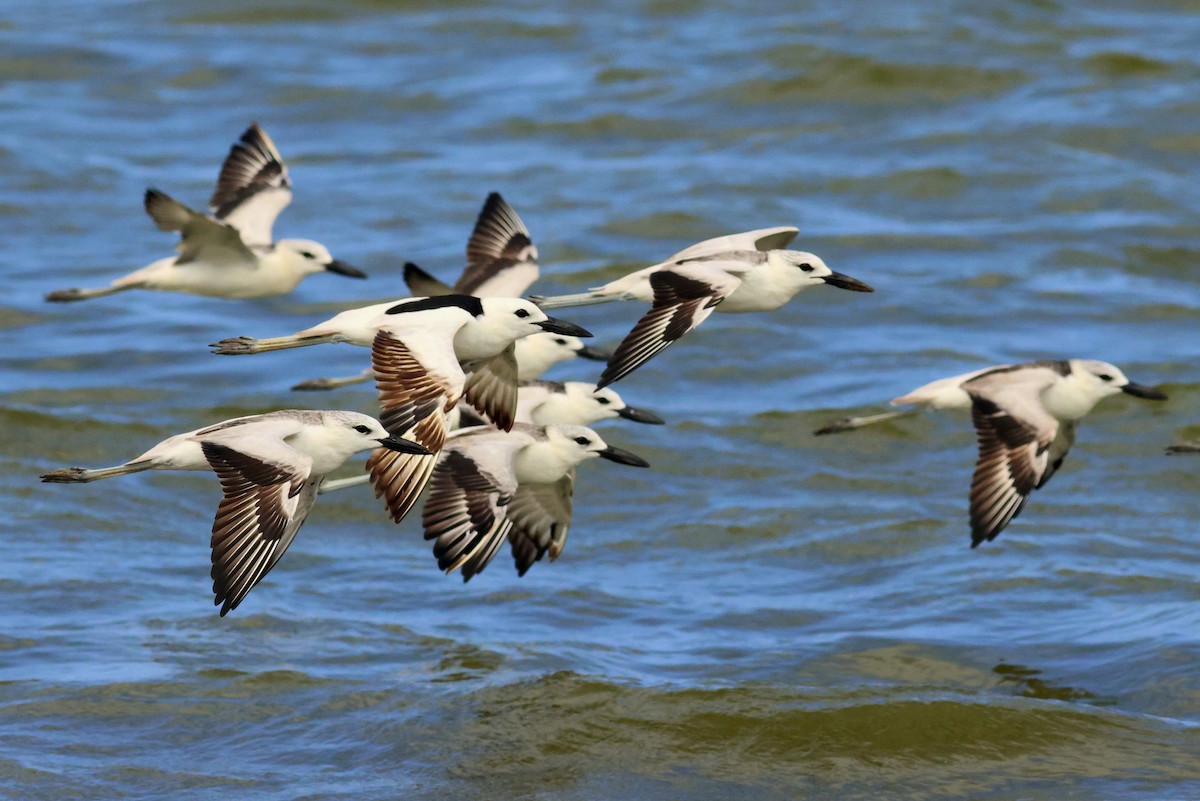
(457, 371)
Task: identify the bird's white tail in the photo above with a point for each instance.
(562, 301)
(237, 346)
(334, 383)
(851, 423)
(82, 475)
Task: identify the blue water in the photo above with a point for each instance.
(764, 614)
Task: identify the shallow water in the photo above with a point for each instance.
(763, 615)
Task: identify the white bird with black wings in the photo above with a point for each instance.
(491, 485)
(229, 253)
(1025, 417)
(270, 466)
(746, 272)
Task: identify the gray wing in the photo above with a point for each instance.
(492, 388)
(253, 187)
(465, 511)
(762, 239)
(203, 238)
(541, 518)
(263, 506)
(501, 256)
(1020, 447)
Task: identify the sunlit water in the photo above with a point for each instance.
(763, 615)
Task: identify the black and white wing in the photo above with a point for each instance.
(267, 495)
(204, 239)
(253, 187)
(762, 239)
(492, 388)
(419, 382)
(541, 518)
(501, 256)
(684, 296)
(1020, 446)
(423, 285)
(465, 513)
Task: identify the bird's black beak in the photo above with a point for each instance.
(1139, 391)
(846, 282)
(341, 268)
(595, 354)
(640, 416)
(622, 457)
(563, 327)
(401, 445)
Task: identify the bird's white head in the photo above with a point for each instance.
(591, 405)
(802, 270)
(348, 433)
(539, 352)
(1098, 380)
(513, 318)
(577, 444)
(305, 257)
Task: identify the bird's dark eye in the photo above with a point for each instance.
(560, 341)
(362, 429)
(307, 255)
(806, 267)
(583, 440)
(1105, 377)
(521, 313)
(603, 401)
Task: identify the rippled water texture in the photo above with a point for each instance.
(763, 615)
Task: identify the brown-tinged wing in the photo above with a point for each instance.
(492, 388)
(683, 298)
(263, 506)
(253, 187)
(465, 512)
(541, 517)
(501, 256)
(1015, 434)
(414, 399)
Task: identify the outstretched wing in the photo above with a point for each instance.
(423, 285)
(1019, 448)
(541, 517)
(265, 501)
(492, 388)
(501, 256)
(419, 381)
(684, 296)
(253, 187)
(203, 238)
(465, 512)
(762, 239)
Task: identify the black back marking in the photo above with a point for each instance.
(468, 303)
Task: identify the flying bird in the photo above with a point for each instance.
(744, 272)
(1025, 417)
(567, 403)
(491, 485)
(229, 253)
(426, 355)
(271, 467)
(501, 262)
